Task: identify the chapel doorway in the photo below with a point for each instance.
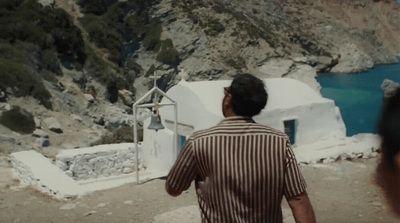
(182, 140)
(290, 130)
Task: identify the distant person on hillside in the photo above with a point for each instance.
(241, 169)
(388, 170)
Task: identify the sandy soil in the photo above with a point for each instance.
(340, 192)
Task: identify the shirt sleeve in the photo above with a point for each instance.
(294, 181)
(184, 170)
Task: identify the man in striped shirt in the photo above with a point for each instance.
(241, 169)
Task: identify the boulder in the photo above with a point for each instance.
(98, 119)
(389, 87)
(42, 142)
(5, 161)
(37, 122)
(12, 144)
(45, 3)
(126, 97)
(3, 95)
(40, 134)
(352, 60)
(89, 97)
(116, 117)
(53, 125)
(276, 68)
(6, 106)
(76, 117)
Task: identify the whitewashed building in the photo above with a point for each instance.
(292, 107)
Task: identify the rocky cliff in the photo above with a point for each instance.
(292, 38)
(209, 39)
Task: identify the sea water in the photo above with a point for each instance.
(359, 96)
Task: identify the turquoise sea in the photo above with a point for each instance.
(359, 96)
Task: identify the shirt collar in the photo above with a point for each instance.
(238, 119)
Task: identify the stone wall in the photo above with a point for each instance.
(33, 169)
(99, 161)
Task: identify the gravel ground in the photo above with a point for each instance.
(340, 192)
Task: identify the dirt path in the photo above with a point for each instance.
(340, 192)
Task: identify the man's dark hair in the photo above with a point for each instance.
(389, 127)
(249, 95)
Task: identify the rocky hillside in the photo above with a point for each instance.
(73, 68)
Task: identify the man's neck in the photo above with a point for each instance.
(229, 113)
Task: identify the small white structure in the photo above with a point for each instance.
(79, 171)
(292, 107)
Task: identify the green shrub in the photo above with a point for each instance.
(67, 38)
(121, 23)
(150, 71)
(96, 67)
(50, 62)
(23, 83)
(43, 95)
(239, 16)
(97, 7)
(104, 36)
(194, 18)
(129, 79)
(18, 120)
(136, 23)
(151, 40)
(219, 8)
(49, 76)
(19, 72)
(252, 31)
(190, 5)
(214, 27)
(237, 62)
(168, 54)
(106, 32)
(123, 134)
(132, 65)
(235, 33)
(14, 75)
(44, 27)
(10, 5)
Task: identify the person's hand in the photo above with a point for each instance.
(200, 184)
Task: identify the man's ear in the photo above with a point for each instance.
(396, 160)
(228, 101)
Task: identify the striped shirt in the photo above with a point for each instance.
(242, 170)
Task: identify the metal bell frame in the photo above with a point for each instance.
(155, 105)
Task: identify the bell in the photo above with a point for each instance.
(155, 122)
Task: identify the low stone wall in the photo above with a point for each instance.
(99, 161)
(32, 168)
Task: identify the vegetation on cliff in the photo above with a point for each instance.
(19, 120)
(119, 26)
(33, 41)
(109, 45)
